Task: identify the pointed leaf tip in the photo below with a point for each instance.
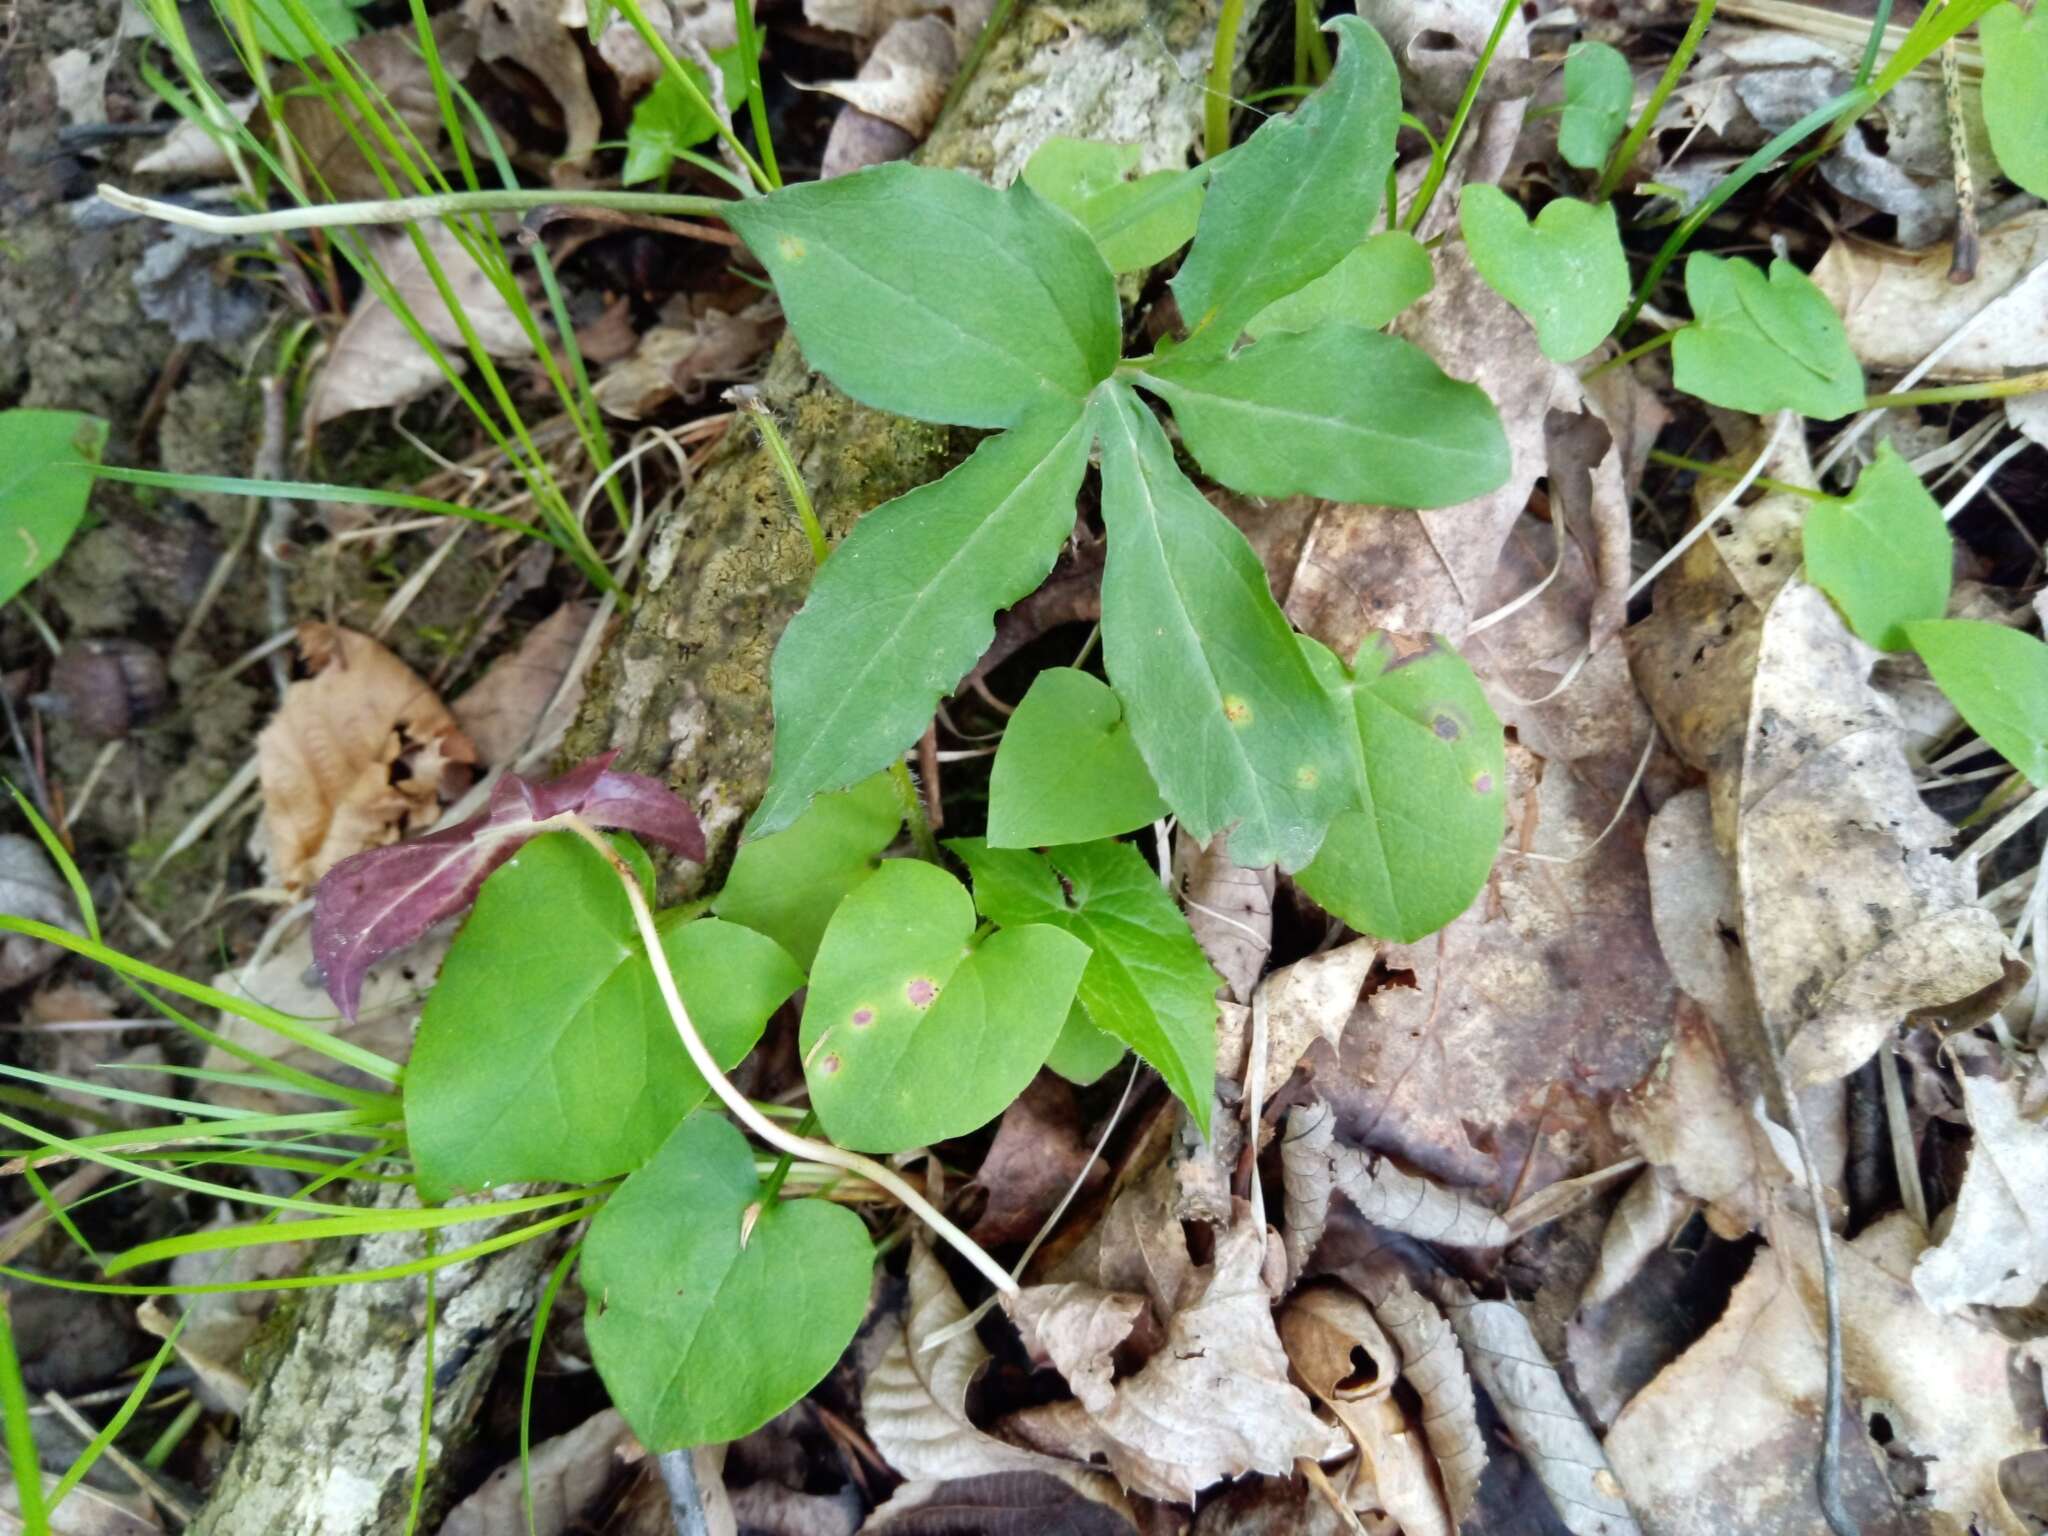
(378, 902)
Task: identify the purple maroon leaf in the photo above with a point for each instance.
(375, 903)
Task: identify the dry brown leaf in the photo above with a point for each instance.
(914, 1402)
(531, 34)
(571, 1472)
(904, 81)
(31, 887)
(684, 25)
(355, 758)
(1138, 1245)
(1314, 1164)
(1214, 1403)
(193, 150)
(1995, 1252)
(501, 711)
(86, 1511)
(683, 361)
(998, 1504)
(1038, 1154)
(1230, 910)
(865, 19)
(328, 131)
(1650, 1213)
(1076, 1329)
(1312, 999)
(1548, 1430)
(1432, 1364)
(375, 362)
(1899, 307)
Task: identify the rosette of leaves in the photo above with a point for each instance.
(930, 294)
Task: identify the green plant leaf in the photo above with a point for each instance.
(280, 34)
(44, 483)
(1147, 982)
(1599, 89)
(1083, 1053)
(1566, 271)
(1764, 345)
(1882, 552)
(788, 885)
(711, 1311)
(1238, 733)
(1433, 766)
(1295, 198)
(545, 1052)
(907, 604)
(931, 294)
(1067, 770)
(1135, 224)
(1291, 415)
(1998, 678)
(2016, 93)
(911, 1033)
(1371, 285)
(668, 119)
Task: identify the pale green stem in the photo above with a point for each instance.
(401, 210)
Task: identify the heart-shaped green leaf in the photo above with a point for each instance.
(1295, 197)
(911, 1033)
(1083, 1053)
(1237, 731)
(1998, 678)
(668, 118)
(45, 478)
(907, 604)
(1764, 344)
(1370, 286)
(1882, 552)
(1069, 731)
(788, 885)
(1147, 982)
(1599, 88)
(1565, 271)
(1134, 224)
(711, 1311)
(931, 294)
(1289, 416)
(2016, 93)
(1433, 771)
(545, 1051)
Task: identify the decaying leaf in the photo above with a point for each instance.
(904, 81)
(914, 1402)
(375, 362)
(376, 902)
(570, 1473)
(502, 711)
(358, 755)
(1432, 1364)
(1038, 1154)
(683, 361)
(997, 1504)
(1301, 1003)
(1230, 910)
(1315, 1164)
(533, 37)
(1507, 1360)
(1995, 1253)
(1138, 1245)
(30, 887)
(328, 130)
(1076, 1329)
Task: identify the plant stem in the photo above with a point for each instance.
(1723, 472)
(658, 46)
(1311, 53)
(912, 802)
(400, 210)
(744, 1112)
(1642, 349)
(1440, 157)
(1222, 65)
(1948, 394)
(773, 1186)
(1625, 153)
(785, 465)
(990, 30)
(757, 109)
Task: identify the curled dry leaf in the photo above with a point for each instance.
(997, 1504)
(1508, 1361)
(1995, 1253)
(377, 902)
(570, 1473)
(192, 150)
(904, 81)
(375, 362)
(1314, 1164)
(329, 132)
(1309, 1000)
(1039, 1152)
(1432, 1364)
(1648, 1216)
(502, 711)
(1076, 1329)
(533, 37)
(357, 755)
(1138, 1245)
(683, 361)
(1230, 910)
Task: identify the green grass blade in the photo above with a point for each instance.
(129, 1405)
(21, 1439)
(541, 1313)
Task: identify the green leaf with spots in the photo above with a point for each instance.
(1238, 733)
(1998, 678)
(788, 885)
(711, 1310)
(544, 1051)
(2016, 93)
(1599, 89)
(46, 460)
(1882, 552)
(1296, 197)
(1135, 224)
(1432, 770)
(1764, 344)
(1068, 770)
(1565, 271)
(1371, 285)
(1294, 414)
(907, 604)
(1083, 1053)
(931, 294)
(911, 1032)
(668, 119)
(1147, 982)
